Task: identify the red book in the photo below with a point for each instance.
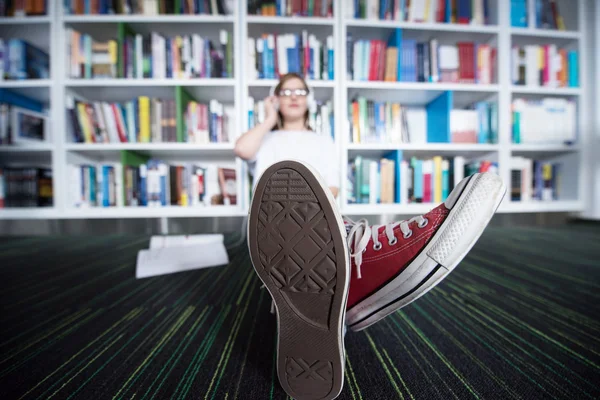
(546, 71)
(485, 166)
(119, 122)
(441, 11)
(372, 70)
(382, 50)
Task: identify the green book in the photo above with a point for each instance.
(182, 99)
(130, 159)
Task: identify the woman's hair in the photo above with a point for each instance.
(282, 80)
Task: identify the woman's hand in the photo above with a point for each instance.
(271, 109)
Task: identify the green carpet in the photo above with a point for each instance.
(519, 318)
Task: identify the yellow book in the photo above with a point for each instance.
(82, 116)
(437, 188)
(144, 116)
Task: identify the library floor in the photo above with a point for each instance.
(519, 318)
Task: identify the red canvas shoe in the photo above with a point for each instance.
(297, 244)
(395, 264)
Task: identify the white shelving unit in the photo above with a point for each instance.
(61, 150)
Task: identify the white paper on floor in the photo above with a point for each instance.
(161, 241)
(168, 260)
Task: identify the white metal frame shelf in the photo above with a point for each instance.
(61, 147)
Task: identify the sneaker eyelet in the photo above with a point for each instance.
(409, 234)
(424, 224)
(377, 246)
(393, 241)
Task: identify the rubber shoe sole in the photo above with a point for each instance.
(297, 245)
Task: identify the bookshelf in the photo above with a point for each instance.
(50, 32)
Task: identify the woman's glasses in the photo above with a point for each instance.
(290, 92)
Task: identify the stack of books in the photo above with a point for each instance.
(392, 179)
(17, 8)
(544, 65)
(20, 60)
(273, 55)
(25, 187)
(546, 14)
(150, 120)
(546, 121)
(469, 12)
(154, 56)
(394, 123)
(145, 7)
(151, 183)
(406, 60)
(534, 180)
(289, 8)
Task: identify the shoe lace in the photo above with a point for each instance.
(360, 233)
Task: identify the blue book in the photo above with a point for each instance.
(330, 63)
(483, 133)
(418, 179)
(445, 179)
(163, 183)
(438, 118)
(16, 99)
(105, 188)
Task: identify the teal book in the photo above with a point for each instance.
(573, 65)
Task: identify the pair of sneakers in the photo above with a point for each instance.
(325, 273)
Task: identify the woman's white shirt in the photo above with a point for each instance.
(319, 151)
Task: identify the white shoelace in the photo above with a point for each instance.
(360, 233)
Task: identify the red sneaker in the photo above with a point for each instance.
(297, 244)
(397, 263)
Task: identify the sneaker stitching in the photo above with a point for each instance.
(408, 244)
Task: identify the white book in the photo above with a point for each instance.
(432, 9)
(139, 56)
(131, 133)
(525, 165)
(416, 118)
(119, 187)
(316, 48)
(356, 61)
(211, 183)
(416, 11)
(111, 123)
(372, 10)
(514, 64)
(459, 169)
(75, 186)
(478, 18)
(186, 57)
(531, 62)
(282, 61)
(101, 121)
(230, 120)
(349, 7)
